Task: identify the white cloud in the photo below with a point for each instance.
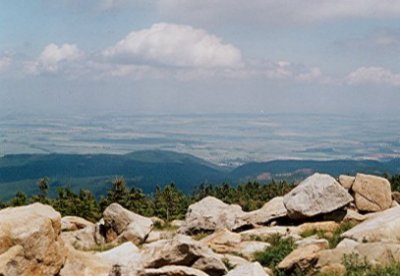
(175, 45)
(313, 74)
(375, 75)
(5, 62)
(166, 51)
(52, 55)
(53, 58)
(283, 70)
(96, 70)
(253, 69)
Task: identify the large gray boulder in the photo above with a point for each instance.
(182, 250)
(30, 241)
(267, 231)
(210, 214)
(222, 241)
(72, 223)
(83, 239)
(372, 193)
(250, 269)
(273, 209)
(346, 181)
(124, 225)
(316, 195)
(172, 270)
(249, 248)
(382, 227)
(126, 254)
(125, 259)
(81, 263)
(302, 257)
(234, 260)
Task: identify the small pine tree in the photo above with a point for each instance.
(88, 206)
(119, 193)
(170, 203)
(43, 185)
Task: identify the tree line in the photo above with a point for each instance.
(166, 202)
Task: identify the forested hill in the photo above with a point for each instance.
(298, 169)
(146, 169)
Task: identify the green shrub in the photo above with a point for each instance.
(393, 269)
(279, 249)
(164, 226)
(357, 266)
(343, 227)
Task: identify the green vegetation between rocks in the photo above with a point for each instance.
(228, 264)
(357, 266)
(334, 237)
(103, 247)
(279, 249)
(166, 226)
(200, 236)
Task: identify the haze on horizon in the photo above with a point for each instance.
(174, 56)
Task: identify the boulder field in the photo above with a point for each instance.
(325, 219)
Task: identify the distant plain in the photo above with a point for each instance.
(224, 139)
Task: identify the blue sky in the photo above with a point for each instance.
(192, 56)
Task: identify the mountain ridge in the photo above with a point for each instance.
(148, 168)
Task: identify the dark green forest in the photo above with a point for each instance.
(166, 202)
(147, 169)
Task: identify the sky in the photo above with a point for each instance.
(199, 56)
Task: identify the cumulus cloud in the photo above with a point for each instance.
(175, 45)
(166, 51)
(54, 57)
(375, 75)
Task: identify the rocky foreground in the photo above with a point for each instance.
(214, 239)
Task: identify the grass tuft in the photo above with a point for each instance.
(199, 236)
(228, 264)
